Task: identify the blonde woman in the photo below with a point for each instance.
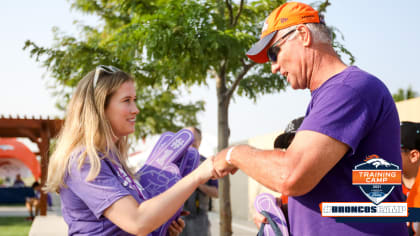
(88, 168)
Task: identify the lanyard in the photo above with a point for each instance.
(129, 179)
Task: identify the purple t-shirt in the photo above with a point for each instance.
(357, 109)
(83, 203)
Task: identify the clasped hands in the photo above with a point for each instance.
(217, 166)
(222, 168)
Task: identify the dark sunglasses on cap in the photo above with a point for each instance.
(99, 69)
(274, 50)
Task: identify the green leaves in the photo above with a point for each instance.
(260, 82)
(161, 111)
(404, 94)
(165, 45)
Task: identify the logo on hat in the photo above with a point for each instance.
(376, 178)
(265, 26)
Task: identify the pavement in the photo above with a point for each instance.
(53, 223)
(239, 227)
(13, 211)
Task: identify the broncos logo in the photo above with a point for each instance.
(376, 161)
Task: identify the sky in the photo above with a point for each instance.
(383, 35)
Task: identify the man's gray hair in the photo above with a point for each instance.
(320, 32)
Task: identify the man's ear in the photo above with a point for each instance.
(414, 155)
(304, 35)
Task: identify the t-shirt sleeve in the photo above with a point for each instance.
(99, 193)
(340, 113)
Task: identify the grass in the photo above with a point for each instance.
(14, 226)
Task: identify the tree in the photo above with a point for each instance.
(169, 45)
(402, 94)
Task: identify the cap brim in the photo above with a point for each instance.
(258, 51)
(283, 140)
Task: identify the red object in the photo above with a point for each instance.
(11, 148)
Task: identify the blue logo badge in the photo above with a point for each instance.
(376, 178)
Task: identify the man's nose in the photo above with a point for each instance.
(275, 67)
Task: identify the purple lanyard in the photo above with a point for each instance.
(130, 180)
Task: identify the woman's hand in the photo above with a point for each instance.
(205, 171)
(176, 227)
(221, 166)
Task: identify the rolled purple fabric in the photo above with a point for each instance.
(266, 202)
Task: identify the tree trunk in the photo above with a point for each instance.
(223, 140)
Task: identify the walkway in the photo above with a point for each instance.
(239, 227)
(53, 224)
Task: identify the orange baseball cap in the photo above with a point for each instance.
(286, 15)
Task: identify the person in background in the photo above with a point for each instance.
(197, 221)
(351, 115)
(99, 193)
(410, 153)
(32, 203)
(284, 140)
(18, 182)
(7, 182)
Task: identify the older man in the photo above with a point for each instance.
(351, 116)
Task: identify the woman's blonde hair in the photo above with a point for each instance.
(87, 127)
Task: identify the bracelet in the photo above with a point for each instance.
(228, 155)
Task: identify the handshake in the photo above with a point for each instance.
(217, 166)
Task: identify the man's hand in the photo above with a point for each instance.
(176, 227)
(221, 166)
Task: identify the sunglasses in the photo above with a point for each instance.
(274, 50)
(99, 69)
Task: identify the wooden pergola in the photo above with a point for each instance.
(39, 131)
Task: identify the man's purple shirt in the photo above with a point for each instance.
(356, 109)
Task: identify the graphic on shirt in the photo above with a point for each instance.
(376, 178)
